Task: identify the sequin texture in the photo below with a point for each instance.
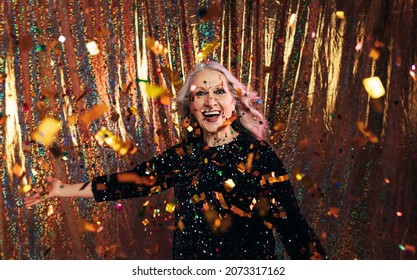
(231, 199)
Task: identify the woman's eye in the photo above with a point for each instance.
(220, 91)
(200, 93)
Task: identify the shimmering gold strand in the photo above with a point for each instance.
(312, 93)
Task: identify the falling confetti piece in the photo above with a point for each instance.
(208, 49)
(18, 170)
(333, 212)
(374, 87)
(240, 212)
(368, 135)
(340, 14)
(228, 122)
(220, 198)
(117, 144)
(94, 113)
(173, 77)
(46, 131)
(154, 91)
(145, 222)
(170, 207)
(229, 185)
(155, 46)
(85, 226)
(92, 48)
(291, 21)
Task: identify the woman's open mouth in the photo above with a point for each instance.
(211, 115)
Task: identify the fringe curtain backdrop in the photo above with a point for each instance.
(352, 158)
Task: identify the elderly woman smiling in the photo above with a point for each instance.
(233, 194)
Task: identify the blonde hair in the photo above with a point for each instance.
(249, 118)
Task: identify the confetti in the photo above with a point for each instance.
(333, 212)
(291, 21)
(145, 222)
(92, 48)
(173, 77)
(240, 212)
(374, 87)
(154, 91)
(228, 122)
(272, 179)
(104, 136)
(367, 135)
(170, 207)
(220, 198)
(85, 226)
(340, 14)
(155, 46)
(18, 170)
(229, 185)
(94, 113)
(46, 131)
(208, 49)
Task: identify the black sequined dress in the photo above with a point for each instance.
(230, 200)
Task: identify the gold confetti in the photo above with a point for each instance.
(46, 131)
(117, 144)
(333, 212)
(173, 77)
(181, 225)
(95, 112)
(291, 21)
(340, 14)
(154, 91)
(170, 207)
(92, 48)
(155, 46)
(374, 87)
(366, 135)
(268, 225)
(195, 198)
(252, 205)
(18, 170)
(208, 49)
(27, 188)
(229, 185)
(85, 226)
(272, 179)
(240, 212)
(228, 122)
(145, 222)
(220, 198)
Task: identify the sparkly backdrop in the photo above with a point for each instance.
(352, 159)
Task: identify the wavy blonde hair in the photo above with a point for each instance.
(250, 119)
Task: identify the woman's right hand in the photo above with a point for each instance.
(42, 194)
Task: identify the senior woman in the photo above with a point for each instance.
(233, 194)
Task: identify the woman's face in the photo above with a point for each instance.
(211, 102)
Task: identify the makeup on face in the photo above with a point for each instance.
(211, 102)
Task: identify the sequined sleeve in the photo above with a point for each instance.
(149, 177)
(284, 213)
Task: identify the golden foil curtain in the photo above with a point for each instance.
(306, 63)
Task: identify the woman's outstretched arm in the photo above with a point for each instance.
(56, 188)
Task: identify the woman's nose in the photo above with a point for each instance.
(210, 100)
